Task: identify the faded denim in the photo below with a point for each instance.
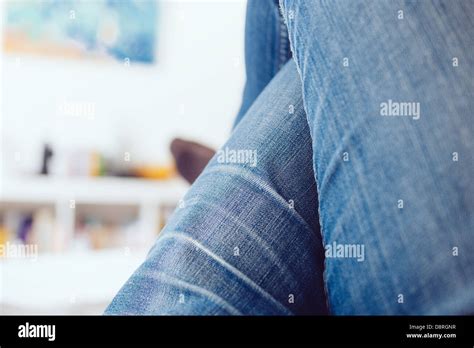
(247, 239)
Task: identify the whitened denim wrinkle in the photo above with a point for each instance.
(251, 233)
(165, 278)
(228, 266)
(259, 183)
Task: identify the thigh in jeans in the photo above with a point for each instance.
(245, 238)
(388, 89)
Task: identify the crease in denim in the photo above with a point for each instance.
(226, 265)
(179, 283)
(261, 184)
(250, 232)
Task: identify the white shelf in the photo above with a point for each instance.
(66, 193)
(96, 190)
(78, 282)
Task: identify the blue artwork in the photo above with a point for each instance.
(122, 29)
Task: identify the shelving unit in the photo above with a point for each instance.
(78, 282)
(65, 194)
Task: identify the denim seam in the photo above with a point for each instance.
(227, 266)
(283, 46)
(318, 186)
(282, 30)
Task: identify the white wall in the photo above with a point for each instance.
(193, 91)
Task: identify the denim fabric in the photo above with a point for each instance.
(401, 186)
(245, 238)
(388, 97)
(267, 49)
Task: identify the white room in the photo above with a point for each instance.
(119, 112)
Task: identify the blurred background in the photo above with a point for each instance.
(92, 93)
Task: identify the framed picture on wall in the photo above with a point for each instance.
(123, 30)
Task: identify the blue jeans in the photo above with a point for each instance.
(267, 49)
(373, 115)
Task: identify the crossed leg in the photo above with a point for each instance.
(246, 238)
